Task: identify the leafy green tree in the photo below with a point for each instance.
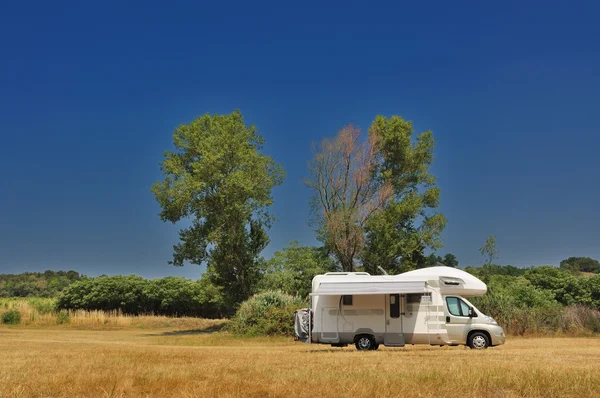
(374, 198)
(450, 260)
(218, 179)
(489, 250)
(580, 264)
(397, 236)
(566, 287)
(292, 269)
(432, 260)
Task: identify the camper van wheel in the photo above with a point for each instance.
(364, 342)
(478, 341)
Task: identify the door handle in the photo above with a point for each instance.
(447, 319)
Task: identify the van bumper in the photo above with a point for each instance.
(497, 334)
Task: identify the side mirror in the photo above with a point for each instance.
(471, 312)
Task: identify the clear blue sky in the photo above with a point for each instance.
(90, 93)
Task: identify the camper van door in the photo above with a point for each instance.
(393, 321)
(457, 319)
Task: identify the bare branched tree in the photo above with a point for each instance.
(346, 194)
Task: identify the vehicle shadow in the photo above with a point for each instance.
(207, 330)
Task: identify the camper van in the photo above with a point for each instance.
(425, 306)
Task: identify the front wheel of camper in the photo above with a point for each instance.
(364, 342)
(478, 341)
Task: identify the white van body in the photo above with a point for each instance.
(425, 306)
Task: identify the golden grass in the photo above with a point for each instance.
(67, 362)
(37, 313)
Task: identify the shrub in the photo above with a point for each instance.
(268, 313)
(42, 305)
(580, 318)
(171, 296)
(63, 317)
(11, 317)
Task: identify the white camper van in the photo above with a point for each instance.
(425, 306)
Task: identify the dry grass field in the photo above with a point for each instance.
(133, 362)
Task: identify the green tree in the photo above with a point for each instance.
(450, 260)
(432, 260)
(580, 264)
(218, 179)
(36, 284)
(489, 250)
(374, 198)
(567, 288)
(292, 269)
(397, 236)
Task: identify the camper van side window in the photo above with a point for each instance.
(413, 298)
(347, 300)
(464, 308)
(457, 307)
(418, 298)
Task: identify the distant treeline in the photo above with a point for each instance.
(37, 284)
(172, 296)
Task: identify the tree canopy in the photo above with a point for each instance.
(292, 269)
(374, 198)
(489, 250)
(581, 264)
(36, 284)
(218, 180)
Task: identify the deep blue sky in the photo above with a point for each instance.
(90, 93)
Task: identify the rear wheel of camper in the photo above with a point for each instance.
(478, 341)
(364, 342)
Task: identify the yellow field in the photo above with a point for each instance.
(67, 362)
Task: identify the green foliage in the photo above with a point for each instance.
(484, 272)
(592, 286)
(566, 287)
(397, 236)
(374, 199)
(292, 269)
(539, 299)
(172, 296)
(580, 264)
(268, 313)
(489, 250)
(11, 317)
(448, 260)
(62, 317)
(36, 284)
(218, 178)
(43, 306)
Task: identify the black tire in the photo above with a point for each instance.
(376, 347)
(364, 342)
(478, 341)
